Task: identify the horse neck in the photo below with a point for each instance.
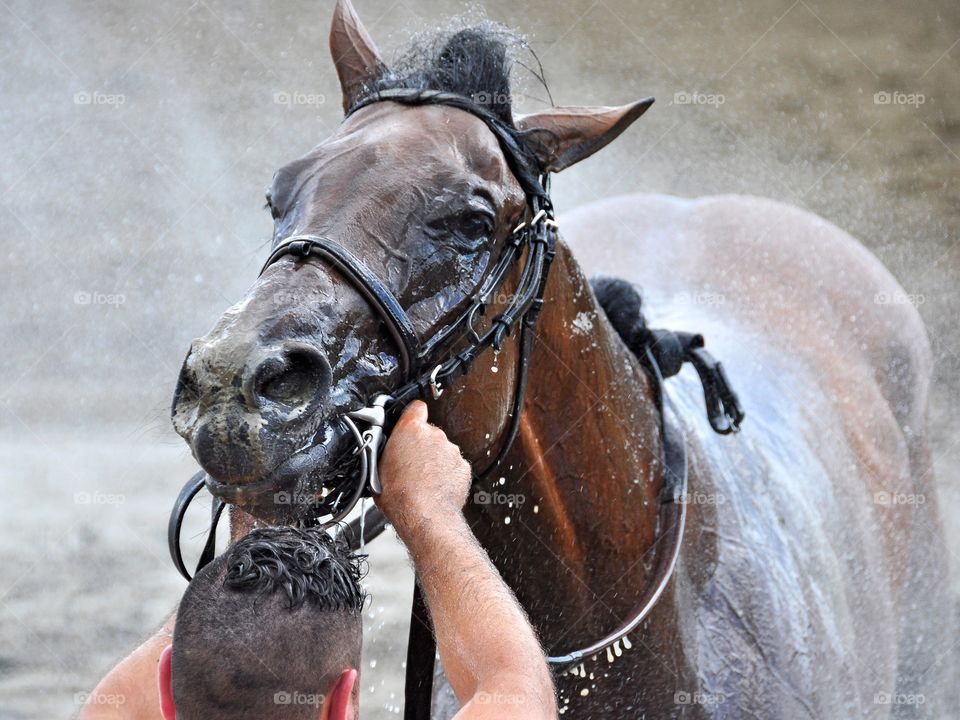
(584, 461)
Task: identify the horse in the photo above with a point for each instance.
(808, 580)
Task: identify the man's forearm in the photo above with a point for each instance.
(485, 640)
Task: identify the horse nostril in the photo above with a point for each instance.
(299, 375)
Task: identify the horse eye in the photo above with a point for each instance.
(274, 212)
(475, 226)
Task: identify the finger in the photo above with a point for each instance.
(415, 412)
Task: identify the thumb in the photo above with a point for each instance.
(415, 413)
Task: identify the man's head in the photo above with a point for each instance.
(271, 629)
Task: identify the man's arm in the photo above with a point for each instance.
(129, 691)
(490, 654)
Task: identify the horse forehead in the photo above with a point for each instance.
(426, 137)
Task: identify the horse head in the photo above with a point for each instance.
(422, 196)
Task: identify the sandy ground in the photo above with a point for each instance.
(138, 139)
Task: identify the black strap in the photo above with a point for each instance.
(357, 532)
(421, 654)
(367, 283)
(523, 164)
(364, 528)
(175, 525)
(671, 522)
(662, 354)
(672, 349)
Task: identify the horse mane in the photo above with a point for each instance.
(474, 60)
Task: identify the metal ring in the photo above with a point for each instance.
(367, 439)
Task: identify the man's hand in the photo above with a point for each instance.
(424, 476)
(490, 653)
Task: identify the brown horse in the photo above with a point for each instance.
(808, 582)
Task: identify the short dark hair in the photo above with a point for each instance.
(265, 629)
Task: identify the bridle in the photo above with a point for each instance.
(428, 367)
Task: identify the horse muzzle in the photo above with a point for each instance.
(323, 480)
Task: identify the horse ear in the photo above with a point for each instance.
(354, 54)
(562, 136)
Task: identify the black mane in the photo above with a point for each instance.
(474, 61)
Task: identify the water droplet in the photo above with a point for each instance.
(506, 520)
(536, 509)
(584, 692)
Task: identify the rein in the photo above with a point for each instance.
(428, 367)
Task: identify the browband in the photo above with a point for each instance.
(523, 164)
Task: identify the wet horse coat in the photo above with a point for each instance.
(805, 587)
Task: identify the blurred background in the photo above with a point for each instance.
(138, 138)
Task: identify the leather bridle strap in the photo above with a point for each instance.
(364, 281)
(671, 522)
(523, 165)
(175, 524)
(421, 655)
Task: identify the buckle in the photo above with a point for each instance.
(435, 390)
(301, 248)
